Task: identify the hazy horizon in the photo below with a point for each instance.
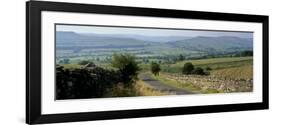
(104, 30)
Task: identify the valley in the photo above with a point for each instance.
(126, 65)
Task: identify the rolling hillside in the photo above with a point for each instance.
(215, 44)
(77, 44)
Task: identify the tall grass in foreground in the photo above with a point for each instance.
(146, 90)
(140, 88)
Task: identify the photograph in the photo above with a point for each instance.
(89, 62)
(99, 61)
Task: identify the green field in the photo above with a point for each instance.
(213, 63)
(231, 74)
(242, 72)
(227, 67)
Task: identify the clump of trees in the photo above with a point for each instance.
(247, 53)
(198, 71)
(155, 68)
(189, 68)
(243, 53)
(181, 57)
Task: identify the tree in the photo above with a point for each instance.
(187, 68)
(208, 68)
(66, 61)
(61, 62)
(159, 61)
(247, 53)
(155, 68)
(144, 60)
(128, 67)
(181, 57)
(198, 71)
(98, 59)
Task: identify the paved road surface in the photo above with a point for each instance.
(163, 87)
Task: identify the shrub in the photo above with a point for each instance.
(187, 68)
(198, 71)
(208, 68)
(155, 68)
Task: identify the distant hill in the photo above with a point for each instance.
(214, 44)
(152, 44)
(72, 39)
(160, 39)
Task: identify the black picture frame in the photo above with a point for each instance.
(33, 61)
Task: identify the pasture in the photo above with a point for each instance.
(229, 74)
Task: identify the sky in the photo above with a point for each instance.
(149, 32)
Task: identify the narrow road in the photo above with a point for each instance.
(158, 85)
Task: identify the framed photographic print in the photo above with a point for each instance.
(95, 62)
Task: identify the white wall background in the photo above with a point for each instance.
(12, 63)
